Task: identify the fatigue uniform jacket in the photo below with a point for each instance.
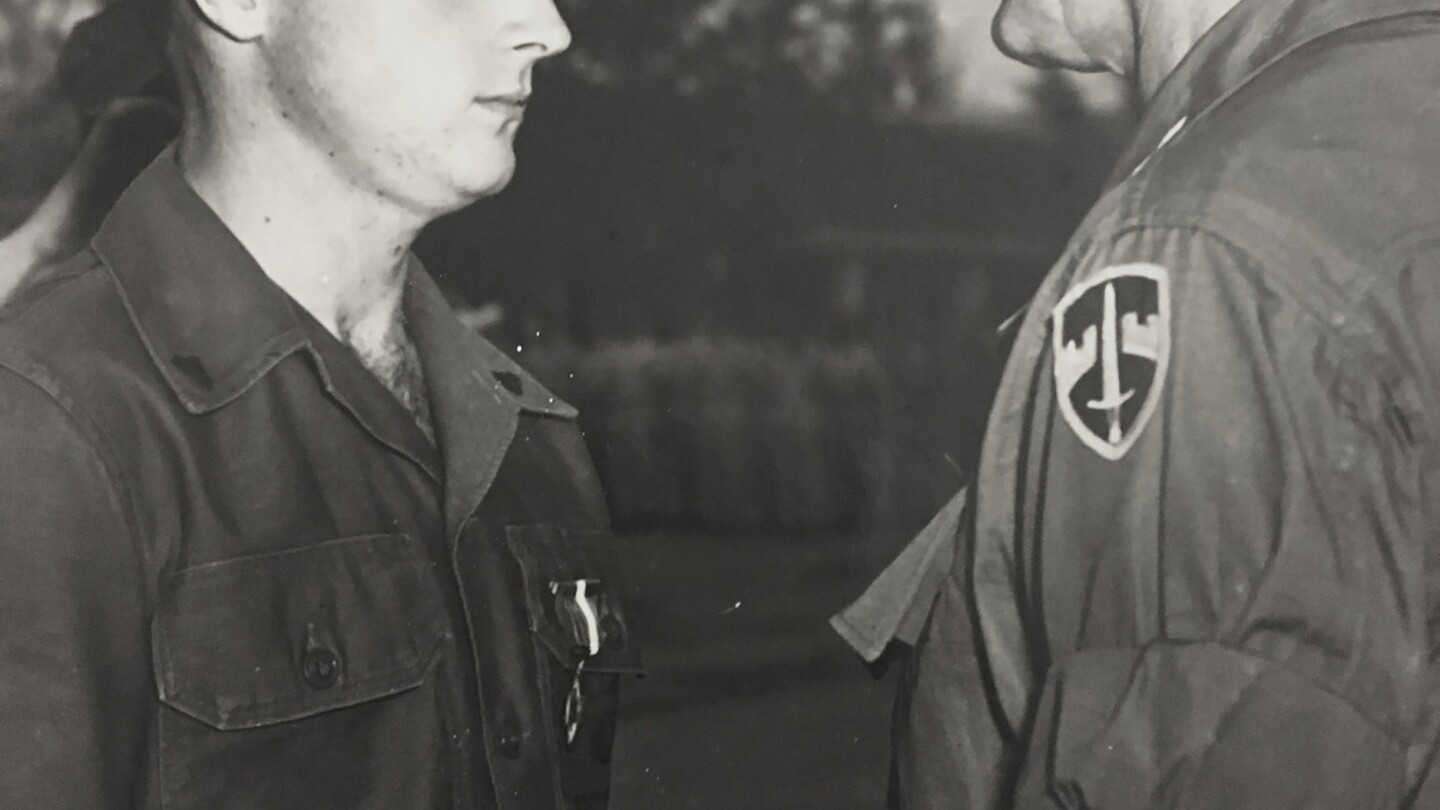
(1197, 567)
(234, 573)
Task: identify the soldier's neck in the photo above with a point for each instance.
(339, 252)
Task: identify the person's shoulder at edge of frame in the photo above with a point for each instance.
(1321, 151)
(68, 323)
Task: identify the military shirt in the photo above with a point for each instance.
(1198, 565)
(234, 573)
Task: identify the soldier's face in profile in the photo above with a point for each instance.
(1084, 35)
(415, 100)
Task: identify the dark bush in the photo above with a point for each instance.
(728, 433)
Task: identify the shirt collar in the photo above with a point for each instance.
(214, 323)
(1251, 37)
(449, 348)
(211, 319)
(476, 395)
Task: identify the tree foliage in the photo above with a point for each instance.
(865, 56)
(31, 33)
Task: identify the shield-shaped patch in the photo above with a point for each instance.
(1112, 348)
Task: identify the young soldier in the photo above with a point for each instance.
(277, 530)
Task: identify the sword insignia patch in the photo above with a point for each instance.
(1112, 347)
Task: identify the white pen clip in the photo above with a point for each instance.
(577, 603)
(592, 623)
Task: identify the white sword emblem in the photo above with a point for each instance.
(1111, 396)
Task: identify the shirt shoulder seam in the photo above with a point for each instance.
(28, 370)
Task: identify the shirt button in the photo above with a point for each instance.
(510, 745)
(510, 381)
(321, 668)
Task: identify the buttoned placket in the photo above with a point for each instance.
(476, 409)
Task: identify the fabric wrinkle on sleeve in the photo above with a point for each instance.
(949, 749)
(1202, 726)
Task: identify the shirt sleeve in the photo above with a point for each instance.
(895, 606)
(1235, 607)
(74, 651)
(948, 750)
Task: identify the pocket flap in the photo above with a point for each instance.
(576, 596)
(260, 640)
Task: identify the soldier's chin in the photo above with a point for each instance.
(489, 177)
(474, 182)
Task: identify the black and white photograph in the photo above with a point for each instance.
(719, 404)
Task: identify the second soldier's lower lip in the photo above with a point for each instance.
(506, 117)
(505, 106)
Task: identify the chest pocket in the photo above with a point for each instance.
(576, 597)
(317, 649)
(577, 605)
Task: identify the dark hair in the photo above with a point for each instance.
(119, 52)
(157, 16)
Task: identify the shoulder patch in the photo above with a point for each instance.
(1111, 338)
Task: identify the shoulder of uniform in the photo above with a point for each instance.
(69, 329)
(1321, 157)
(58, 305)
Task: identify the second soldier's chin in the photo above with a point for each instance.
(492, 179)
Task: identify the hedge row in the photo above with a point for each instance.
(733, 433)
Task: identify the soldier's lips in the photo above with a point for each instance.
(511, 105)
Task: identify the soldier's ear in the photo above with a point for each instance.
(239, 20)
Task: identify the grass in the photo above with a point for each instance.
(751, 702)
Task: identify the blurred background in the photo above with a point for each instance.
(763, 245)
